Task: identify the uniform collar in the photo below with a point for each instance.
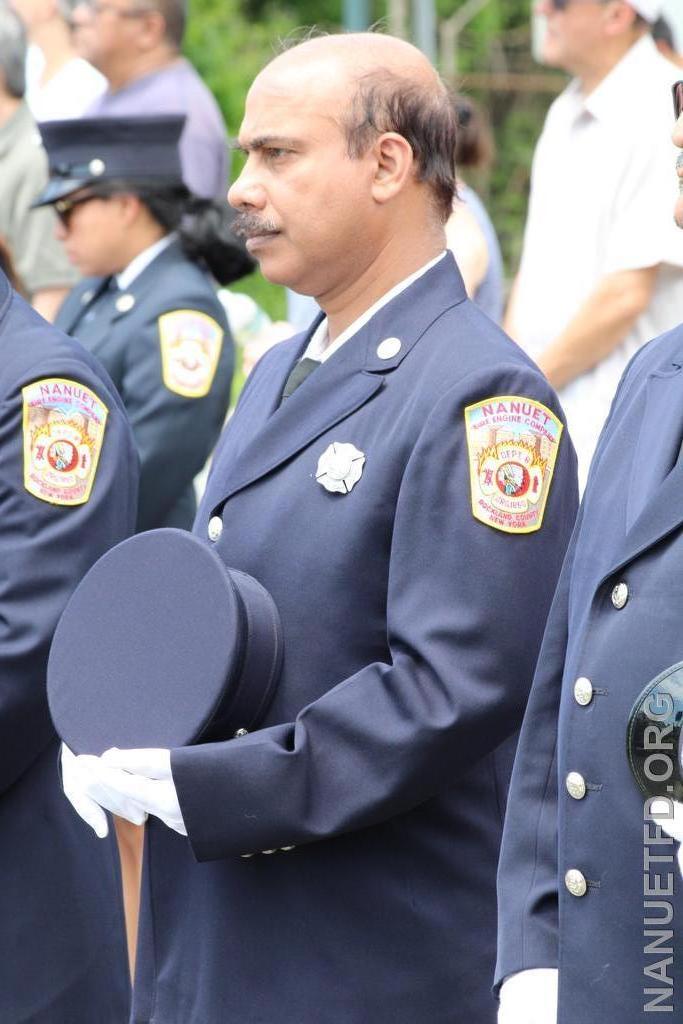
(318, 347)
(136, 266)
(355, 373)
(626, 79)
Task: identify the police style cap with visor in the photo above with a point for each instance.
(96, 157)
(88, 152)
(162, 645)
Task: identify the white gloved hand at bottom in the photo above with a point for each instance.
(135, 783)
(77, 775)
(529, 997)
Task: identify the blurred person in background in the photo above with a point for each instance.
(470, 234)
(39, 259)
(602, 268)
(148, 307)
(136, 45)
(663, 36)
(59, 83)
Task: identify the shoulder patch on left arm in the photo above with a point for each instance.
(513, 443)
(191, 345)
(63, 428)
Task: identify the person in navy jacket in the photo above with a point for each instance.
(148, 307)
(588, 879)
(400, 480)
(68, 492)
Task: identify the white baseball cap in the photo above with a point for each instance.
(648, 9)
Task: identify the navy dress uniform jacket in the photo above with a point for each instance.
(175, 434)
(630, 531)
(62, 941)
(410, 632)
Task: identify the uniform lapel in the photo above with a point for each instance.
(92, 313)
(655, 501)
(345, 382)
(329, 395)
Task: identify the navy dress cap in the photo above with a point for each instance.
(162, 645)
(91, 150)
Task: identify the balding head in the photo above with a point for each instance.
(375, 84)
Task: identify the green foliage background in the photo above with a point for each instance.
(230, 40)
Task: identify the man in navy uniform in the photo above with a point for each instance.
(400, 481)
(588, 879)
(68, 491)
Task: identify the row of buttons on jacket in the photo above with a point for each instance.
(575, 880)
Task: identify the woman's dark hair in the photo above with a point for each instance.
(204, 226)
(474, 145)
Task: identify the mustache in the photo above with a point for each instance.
(248, 225)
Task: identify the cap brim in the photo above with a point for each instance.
(59, 188)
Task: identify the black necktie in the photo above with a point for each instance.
(298, 375)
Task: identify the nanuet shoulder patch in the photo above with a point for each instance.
(191, 345)
(513, 443)
(63, 430)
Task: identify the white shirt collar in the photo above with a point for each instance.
(318, 347)
(615, 93)
(143, 259)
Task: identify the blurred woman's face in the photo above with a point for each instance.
(93, 232)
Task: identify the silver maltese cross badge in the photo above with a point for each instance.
(340, 467)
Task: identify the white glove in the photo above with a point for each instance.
(135, 783)
(76, 777)
(529, 997)
(669, 816)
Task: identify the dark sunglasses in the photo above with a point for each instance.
(562, 5)
(65, 207)
(677, 92)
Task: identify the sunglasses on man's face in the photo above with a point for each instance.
(677, 91)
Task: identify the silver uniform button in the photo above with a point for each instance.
(246, 856)
(97, 167)
(268, 852)
(240, 732)
(620, 596)
(576, 883)
(583, 691)
(125, 303)
(576, 786)
(286, 849)
(215, 528)
(389, 348)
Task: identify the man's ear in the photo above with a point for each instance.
(394, 163)
(151, 30)
(618, 18)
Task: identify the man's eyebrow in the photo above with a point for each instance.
(265, 142)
